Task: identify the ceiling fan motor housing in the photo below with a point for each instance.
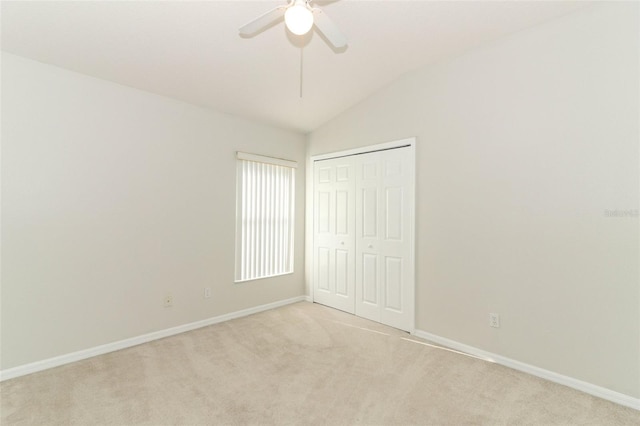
(299, 17)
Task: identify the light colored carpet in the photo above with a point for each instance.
(302, 364)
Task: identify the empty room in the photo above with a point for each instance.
(320, 212)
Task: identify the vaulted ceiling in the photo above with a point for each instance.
(192, 50)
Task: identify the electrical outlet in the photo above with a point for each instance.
(207, 292)
(168, 301)
(494, 320)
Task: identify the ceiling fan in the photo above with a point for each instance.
(299, 17)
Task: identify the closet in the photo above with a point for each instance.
(363, 260)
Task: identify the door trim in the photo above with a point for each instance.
(409, 143)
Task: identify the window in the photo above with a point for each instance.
(264, 216)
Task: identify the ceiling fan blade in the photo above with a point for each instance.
(328, 28)
(263, 21)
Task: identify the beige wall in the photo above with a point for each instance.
(112, 198)
(522, 145)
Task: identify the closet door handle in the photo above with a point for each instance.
(341, 243)
(370, 245)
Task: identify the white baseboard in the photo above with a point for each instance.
(45, 364)
(600, 392)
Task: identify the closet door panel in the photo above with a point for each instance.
(334, 236)
(367, 229)
(382, 243)
(395, 242)
(393, 216)
(369, 212)
(370, 279)
(342, 272)
(324, 269)
(393, 283)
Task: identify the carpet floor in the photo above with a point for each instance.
(302, 364)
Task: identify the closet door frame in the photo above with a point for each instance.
(410, 144)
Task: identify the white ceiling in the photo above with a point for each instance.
(192, 51)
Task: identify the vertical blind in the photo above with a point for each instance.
(264, 216)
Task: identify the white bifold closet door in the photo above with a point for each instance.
(334, 233)
(362, 244)
(383, 250)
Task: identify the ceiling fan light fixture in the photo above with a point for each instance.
(298, 18)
